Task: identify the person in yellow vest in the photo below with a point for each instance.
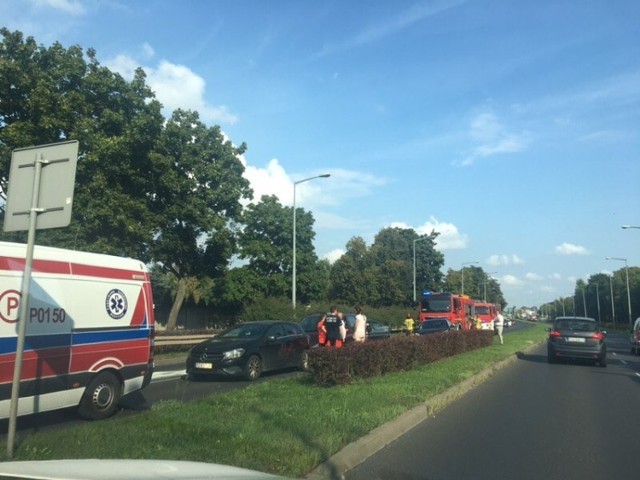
(477, 323)
(408, 324)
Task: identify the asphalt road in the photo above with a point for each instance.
(533, 420)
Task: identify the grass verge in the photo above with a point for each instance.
(285, 427)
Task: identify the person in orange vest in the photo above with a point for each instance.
(322, 333)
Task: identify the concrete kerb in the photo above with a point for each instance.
(358, 451)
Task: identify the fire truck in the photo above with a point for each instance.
(486, 312)
(458, 309)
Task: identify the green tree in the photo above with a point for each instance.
(267, 246)
(199, 186)
(53, 94)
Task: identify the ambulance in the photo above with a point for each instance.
(89, 330)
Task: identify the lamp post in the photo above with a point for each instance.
(597, 300)
(293, 277)
(467, 263)
(486, 278)
(626, 268)
(613, 307)
(414, 264)
(584, 303)
(629, 226)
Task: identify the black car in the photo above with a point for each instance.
(435, 325)
(576, 337)
(248, 349)
(310, 326)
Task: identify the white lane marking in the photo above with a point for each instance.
(157, 376)
(637, 374)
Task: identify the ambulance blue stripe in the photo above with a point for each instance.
(8, 345)
(85, 338)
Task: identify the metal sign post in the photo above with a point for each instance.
(36, 193)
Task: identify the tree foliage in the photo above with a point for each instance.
(167, 191)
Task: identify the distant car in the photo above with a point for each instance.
(377, 330)
(635, 337)
(248, 349)
(435, 325)
(576, 337)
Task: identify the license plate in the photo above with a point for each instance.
(575, 339)
(205, 366)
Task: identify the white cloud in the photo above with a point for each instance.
(571, 249)
(533, 276)
(175, 86)
(72, 7)
(449, 239)
(334, 255)
(555, 276)
(500, 260)
(511, 281)
(490, 138)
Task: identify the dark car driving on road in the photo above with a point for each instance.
(576, 337)
(248, 349)
(435, 325)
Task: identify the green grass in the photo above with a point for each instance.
(286, 427)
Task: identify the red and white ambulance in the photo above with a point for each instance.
(89, 332)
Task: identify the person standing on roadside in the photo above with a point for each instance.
(335, 327)
(498, 324)
(408, 324)
(322, 332)
(360, 327)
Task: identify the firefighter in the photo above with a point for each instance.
(408, 324)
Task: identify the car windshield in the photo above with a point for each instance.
(249, 330)
(433, 324)
(435, 305)
(575, 325)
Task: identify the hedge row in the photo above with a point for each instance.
(339, 366)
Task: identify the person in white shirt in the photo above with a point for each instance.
(360, 327)
(498, 324)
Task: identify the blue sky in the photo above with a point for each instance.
(512, 128)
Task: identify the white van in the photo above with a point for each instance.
(89, 332)
(635, 337)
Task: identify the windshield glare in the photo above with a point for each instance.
(244, 331)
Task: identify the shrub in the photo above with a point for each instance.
(338, 366)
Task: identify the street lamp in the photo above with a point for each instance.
(629, 226)
(597, 299)
(613, 308)
(414, 264)
(626, 268)
(467, 263)
(293, 278)
(486, 278)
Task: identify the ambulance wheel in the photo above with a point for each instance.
(253, 368)
(101, 397)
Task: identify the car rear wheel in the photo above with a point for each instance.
(253, 368)
(602, 361)
(101, 397)
(304, 361)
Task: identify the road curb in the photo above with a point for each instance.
(358, 451)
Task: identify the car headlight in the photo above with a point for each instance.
(231, 354)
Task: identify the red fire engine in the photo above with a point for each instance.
(486, 312)
(458, 309)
